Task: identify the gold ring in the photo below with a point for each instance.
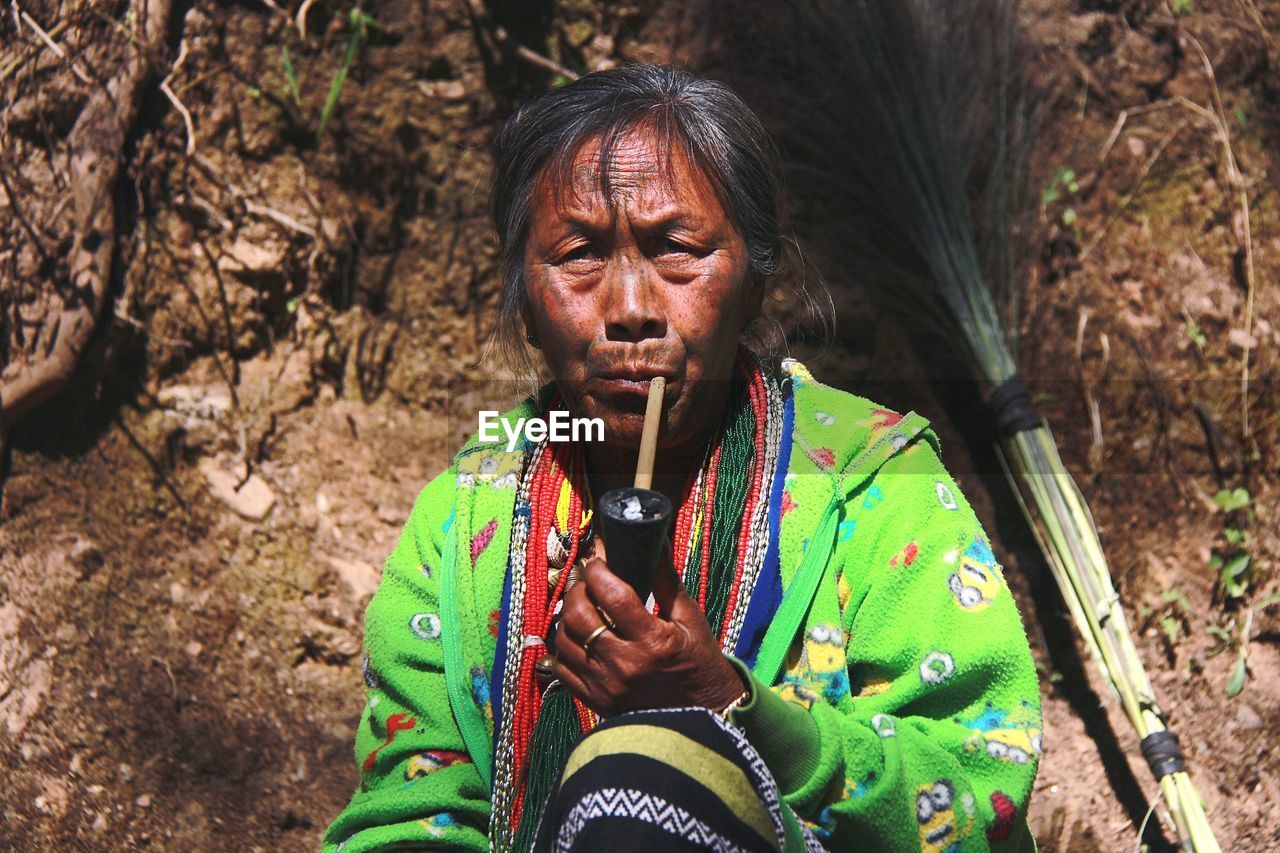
(591, 638)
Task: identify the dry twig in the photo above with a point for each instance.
(212, 172)
(503, 42)
(1122, 118)
(177, 104)
(52, 45)
(17, 61)
(302, 18)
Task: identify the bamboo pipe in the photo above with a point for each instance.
(649, 435)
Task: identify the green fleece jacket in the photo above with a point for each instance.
(894, 697)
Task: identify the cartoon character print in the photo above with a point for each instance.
(373, 684)
(480, 691)
(482, 539)
(371, 679)
(1006, 812)
(880, 422)
(425, 626)
(822, 668)
(1014, 736)
(493, 467)
(438, 824)
(825, 825)
(884, 418)
(843, 592)
(906, 556)
(940, 830)
(976, 580)
(794, 691)
(884, 725)
(937, 667)
(396, 724)
(823, 457)
(426, 763)
(868, 683)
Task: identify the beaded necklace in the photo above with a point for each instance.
(719, 539)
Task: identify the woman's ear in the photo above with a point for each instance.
(530, 334)
(757, 286)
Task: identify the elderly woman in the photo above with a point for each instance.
(830, 656)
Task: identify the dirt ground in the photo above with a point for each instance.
(304, 311)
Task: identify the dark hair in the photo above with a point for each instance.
(718, 131)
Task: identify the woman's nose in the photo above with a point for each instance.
(633, 310)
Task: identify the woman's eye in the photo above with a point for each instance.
(581, 253)
(675, 247)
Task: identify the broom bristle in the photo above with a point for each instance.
(913, 125)
(909, 118)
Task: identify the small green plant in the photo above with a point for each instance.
(289, 102)
(1229, 637)
(1195, 335)
(1177, 610)
(291, 76)
(360, 21)
(1233, 635)
(1062, 186)
(1229, 500)
(1053, 676)
(1063, 180)
(1240, 672)
(1219, 633)
(1232, 560)
(1182, 8)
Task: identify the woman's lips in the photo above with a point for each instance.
(636, 382)
(628, 386)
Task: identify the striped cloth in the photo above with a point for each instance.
(674, 779)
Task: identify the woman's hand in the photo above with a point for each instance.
(671, 660)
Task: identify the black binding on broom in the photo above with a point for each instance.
(1163, 754)
(1011, 402)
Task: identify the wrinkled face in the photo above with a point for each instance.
(649, 281)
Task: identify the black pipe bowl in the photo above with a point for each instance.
(633, 524)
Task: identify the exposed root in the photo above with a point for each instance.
(96, 144)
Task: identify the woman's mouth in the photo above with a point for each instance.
(636, 382)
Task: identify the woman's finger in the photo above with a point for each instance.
(667, 589)
(577, 685)
(588, 662)
(616, 597)
(578, 617)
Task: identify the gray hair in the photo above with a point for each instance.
(718, 131)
